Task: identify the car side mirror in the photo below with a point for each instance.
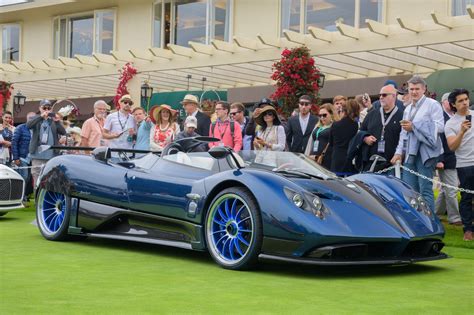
(219, 152)
(101, 154)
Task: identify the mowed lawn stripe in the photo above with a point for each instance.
(112, 277)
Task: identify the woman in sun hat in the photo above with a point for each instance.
(271, 136)
(165, 129)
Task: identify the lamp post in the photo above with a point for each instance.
(321, 79)
(146, 91)
(18, 101)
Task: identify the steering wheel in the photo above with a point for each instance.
(172, 148)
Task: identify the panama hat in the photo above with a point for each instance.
(259, 119)
(189, 98)
(155, 111)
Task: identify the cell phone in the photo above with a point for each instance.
(468, 117)
(403, 121)
(51, 115)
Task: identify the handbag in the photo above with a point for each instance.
(320, 158)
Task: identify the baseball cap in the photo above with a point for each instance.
(190, 121)
(265, 101)
(391, 82)
(45, 103)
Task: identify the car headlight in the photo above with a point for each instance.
(308, 202)
(419, 203)
(298, 200)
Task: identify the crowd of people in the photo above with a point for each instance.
(346, 136)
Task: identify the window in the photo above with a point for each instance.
(181, 21)
(84, 34)
(325, 13)
(10, 37)
(459, 6)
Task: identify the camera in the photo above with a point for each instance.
(52, 115)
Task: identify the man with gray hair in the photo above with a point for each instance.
(420, 142)
(91, 133)
(447, 201)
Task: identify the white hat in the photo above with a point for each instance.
(75, 130)
(189, 98)
(190, 121)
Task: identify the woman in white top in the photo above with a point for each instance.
(271, 134)
(165, 130)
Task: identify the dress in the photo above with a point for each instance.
(7, 135)
(161, 137)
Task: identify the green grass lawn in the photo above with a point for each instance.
(112, 277)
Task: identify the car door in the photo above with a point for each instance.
(162, 189)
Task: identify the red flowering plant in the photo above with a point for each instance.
(6, 89)
(126, 74)
(295, 75)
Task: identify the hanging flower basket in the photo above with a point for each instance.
(295, 74)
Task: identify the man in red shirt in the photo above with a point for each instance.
(224, 129)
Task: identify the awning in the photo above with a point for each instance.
(406, 48)
(447, 80)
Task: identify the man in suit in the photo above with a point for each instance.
(299, 127)
(191, 107)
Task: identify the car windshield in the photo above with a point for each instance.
(284, 162)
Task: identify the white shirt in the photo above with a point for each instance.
(465, 151)
(118, 123)
(304, 122)
(430, 110)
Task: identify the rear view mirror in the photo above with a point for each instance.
(101, 154)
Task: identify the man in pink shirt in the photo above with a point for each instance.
(228, 131)
(91, 134)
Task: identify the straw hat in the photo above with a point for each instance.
(189, 98)
(259, 119)
(155, 111)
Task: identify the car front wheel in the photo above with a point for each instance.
(52, 215)
(234, 229)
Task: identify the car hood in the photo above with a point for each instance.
(6, 172)
(340, 193)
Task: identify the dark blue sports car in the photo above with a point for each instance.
(240, 208)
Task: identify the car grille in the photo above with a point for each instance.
(11, 189)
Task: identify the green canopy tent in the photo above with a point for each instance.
(447, 80)
(174, 98)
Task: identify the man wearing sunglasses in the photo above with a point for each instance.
(46, 130)
(383, 129)
(119, 127)
(299, 127)
(237, 114)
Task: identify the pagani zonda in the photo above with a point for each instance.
(267, 205)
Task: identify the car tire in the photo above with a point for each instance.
(52, 215)
(233, 229)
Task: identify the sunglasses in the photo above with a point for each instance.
(385, 94)
(128, 102)
(268, 114)
(305, 103)
(235, 113)
(46, 107)
(323, 115)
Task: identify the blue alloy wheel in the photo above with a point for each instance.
(233, 229)
(52, 214)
